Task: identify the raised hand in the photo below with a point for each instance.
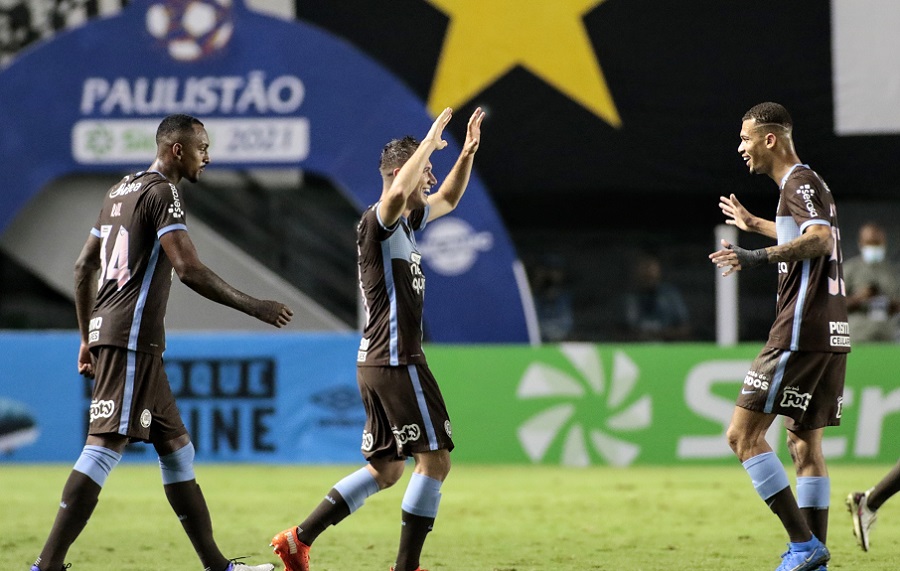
(473, 132)
(436, 132)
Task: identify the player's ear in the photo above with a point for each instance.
(177, 150)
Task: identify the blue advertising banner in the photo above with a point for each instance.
(272, 93)
(244, 397)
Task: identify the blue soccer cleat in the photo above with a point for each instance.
(809, 556)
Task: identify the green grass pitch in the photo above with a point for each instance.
(493, 518)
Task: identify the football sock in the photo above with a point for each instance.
(79, 498)
(419, 510)
(814, 497)
(771, 483)
(887, 487)
(412, 539)
(188, 503)
(344, 498)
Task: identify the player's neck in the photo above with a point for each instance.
(784, 166)
(166, 170)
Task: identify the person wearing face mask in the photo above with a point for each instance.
(873, 288)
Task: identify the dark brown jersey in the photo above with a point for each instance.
(393, 289)
(811, 305)
(135, 273)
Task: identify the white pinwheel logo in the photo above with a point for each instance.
(624, 412)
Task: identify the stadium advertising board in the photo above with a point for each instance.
(292, 398)
(272, 94)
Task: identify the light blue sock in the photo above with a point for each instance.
(356, 487)
(767, 474)
(423, 494)
(814, 492)
(96, 463)
(178, 466)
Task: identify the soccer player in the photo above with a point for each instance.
(799, 373)
(405, 412)
(122, 281)
(864, 505)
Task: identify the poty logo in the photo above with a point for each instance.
(451, 245)
(408, 433)
(102, 409)
(562, 421)
(367, 441)
(793, 398)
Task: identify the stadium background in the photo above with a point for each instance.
(614, 133)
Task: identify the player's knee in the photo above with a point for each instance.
(178, 466)
(387, 473)
(734, 438)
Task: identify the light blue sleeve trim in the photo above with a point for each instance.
(170, 228)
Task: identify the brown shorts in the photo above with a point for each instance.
(806, 387)
(405, 412)
(132, 397)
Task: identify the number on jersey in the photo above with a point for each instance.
(114, 265)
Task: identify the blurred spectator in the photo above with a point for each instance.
(873, 288)
(553, 299)
(653, 309)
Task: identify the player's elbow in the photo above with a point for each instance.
(85, 267)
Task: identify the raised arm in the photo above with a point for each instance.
(448, 196)
(194, 274)
(406, 181)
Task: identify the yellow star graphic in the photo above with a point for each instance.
(487, 38)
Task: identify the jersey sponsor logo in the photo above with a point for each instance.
(125, 188)
(415, 268)
(116, 210)
(368, 441)
(408, 433)
(793, 398)
(146, 417)
(102, 409)
(840, 333)
(175, 208)
(807, 192)
(839, 341)
(839, 327)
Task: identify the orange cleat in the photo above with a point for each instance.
(417, 569)
(293, 552)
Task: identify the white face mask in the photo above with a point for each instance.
(872, 254)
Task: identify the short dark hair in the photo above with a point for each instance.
(771, 114)
(395, 154)
(174, 126)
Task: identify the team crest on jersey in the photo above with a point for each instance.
(146, 417)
